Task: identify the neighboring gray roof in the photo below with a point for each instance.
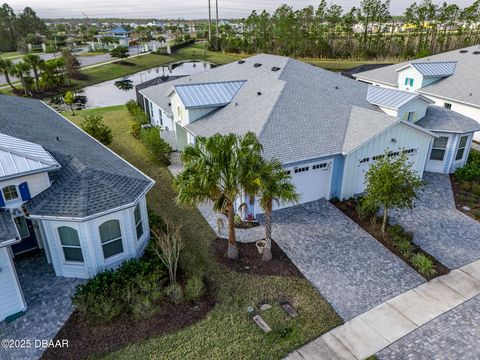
(440, 119)
(435, 68)
(209, 94)
(92, 179)
(299, 112)
(8, 231)
(390, 98)
(463, 85)
(20, 157)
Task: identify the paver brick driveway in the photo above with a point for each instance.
(438, 227)
(352, 270)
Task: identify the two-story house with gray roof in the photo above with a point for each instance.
(64, 194)
(326, 129)
(450, 80)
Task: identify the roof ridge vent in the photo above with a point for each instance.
(241, 61)
(275, 68)
(463, 51)
(257, 65)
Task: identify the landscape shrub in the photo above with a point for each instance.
(94, 125)
(175, 293)
(137, 112)
(111, 293)
(158, 147)
(405, 247)
(136, 129)
(396, 233)
(471, 170)
(366, 210)
(424, 265)
(194, 288)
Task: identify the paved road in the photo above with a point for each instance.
(352, 270)
(438, 227)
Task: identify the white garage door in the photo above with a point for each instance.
(312, 181)
(364, 164)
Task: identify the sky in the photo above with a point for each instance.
(187, 9)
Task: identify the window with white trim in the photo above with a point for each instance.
(411, 116)
(10, 193)
(376, 157)
(111, 238)
(137, 214)
(302, 169)
(439, 148)
(70, 242)
(461, 147)
(160, 116)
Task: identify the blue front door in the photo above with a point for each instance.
(29, 240)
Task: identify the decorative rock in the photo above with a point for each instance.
(250, 309)
(264, 307)
(290, 310)
(466, 208)
(261, 323)
(247, 267)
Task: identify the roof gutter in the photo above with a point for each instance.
(31, 172)
(447, 98)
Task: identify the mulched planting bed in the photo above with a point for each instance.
(467, 193)
(85, 341)
(250, 261)
(348, 207)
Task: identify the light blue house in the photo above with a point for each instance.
(65, 195)
(325, 129)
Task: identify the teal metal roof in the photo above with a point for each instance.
(208, 94)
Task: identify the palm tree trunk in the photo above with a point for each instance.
(35, 73)
(7, 77)
(232, 252)
(267, 250)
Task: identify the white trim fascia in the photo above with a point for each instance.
(447, 98)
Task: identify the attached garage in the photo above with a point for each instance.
(364, 165)
(311, 180)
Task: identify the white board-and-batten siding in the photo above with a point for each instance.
(11, 298)
(406, 138)
(36, 184)
(89, 235)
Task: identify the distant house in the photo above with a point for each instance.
(325, 129)
(121, 36)
(65, 194)
(450, 80)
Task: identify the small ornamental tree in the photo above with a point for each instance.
(69, 100)
(391, 184)
(120, 52)
(94, 125)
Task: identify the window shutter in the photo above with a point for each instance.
(2, 202)
(24, 192)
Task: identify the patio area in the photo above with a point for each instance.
(49, 305)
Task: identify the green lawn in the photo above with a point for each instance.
(11, 55)
(227, 332)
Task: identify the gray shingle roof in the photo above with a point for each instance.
(435, 68)
(8, 231)
(440, 119)
(91, 180)
(463, 85)
(210, 94)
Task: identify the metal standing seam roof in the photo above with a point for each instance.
(389, 98)
(18, 156)
(208, 94)
(433, 68)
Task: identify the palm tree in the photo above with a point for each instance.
(216, 169)
(35, 63)
(273, 184)
(21, 69)
(7, 68)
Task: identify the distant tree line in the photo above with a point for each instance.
(16, 30)
(369, 31)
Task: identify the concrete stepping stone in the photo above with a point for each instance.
(462, 282)
(326, 347)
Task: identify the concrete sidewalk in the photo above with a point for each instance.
(381, 326)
